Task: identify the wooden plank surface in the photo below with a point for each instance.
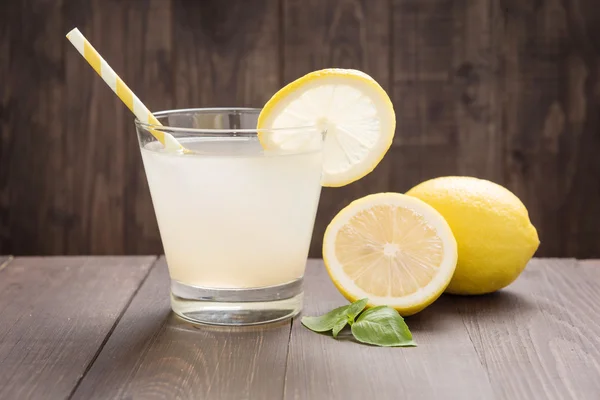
(444, 91)
(498, 89)
(59, 119)
(550, 118)
(226, 52)
(444, 366)
(108, 209)
(55, 314)
(4, 260)
(540, 337)
(344, 34)
(32, 104)
(154, 354)
(70, 328)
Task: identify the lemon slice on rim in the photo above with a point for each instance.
(394, 249)
(349, 105)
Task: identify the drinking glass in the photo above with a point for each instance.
(235, 220)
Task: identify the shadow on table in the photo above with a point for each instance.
(161, 334)
(493, 306)
(166, 326)
(179, 324)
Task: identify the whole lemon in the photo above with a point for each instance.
(491, 225)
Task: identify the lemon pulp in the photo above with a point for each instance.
(391, 248)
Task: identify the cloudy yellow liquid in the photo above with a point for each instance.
(231, 216)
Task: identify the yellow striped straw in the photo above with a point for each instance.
(120, 88)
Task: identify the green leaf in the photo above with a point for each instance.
(326, 322)
(335, 319)
(338, 327)
(355, 309)
(382, 326)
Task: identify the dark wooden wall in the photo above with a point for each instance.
(507, 90)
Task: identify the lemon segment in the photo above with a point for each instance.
(391, 248)
(352, 109)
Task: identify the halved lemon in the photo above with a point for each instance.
(394, 249)
(349, 105)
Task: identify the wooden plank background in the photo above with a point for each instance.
(320, 368)
(102, 328)
(153, 354)
(499, 89)
(56, 313)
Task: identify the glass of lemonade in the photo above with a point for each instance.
(235, 221)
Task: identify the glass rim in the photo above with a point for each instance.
(248, 110)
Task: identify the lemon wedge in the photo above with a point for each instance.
(349, 105)
(391, 248)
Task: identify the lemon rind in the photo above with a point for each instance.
(414, 302)
(351, 76)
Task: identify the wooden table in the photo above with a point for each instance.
(101, 327)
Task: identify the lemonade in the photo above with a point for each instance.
(235, 191)
(235, 219)
(231, 217)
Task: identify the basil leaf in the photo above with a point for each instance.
(326, 322)
(335, 319)
(355, 309)
(382, 326)
(338, 327)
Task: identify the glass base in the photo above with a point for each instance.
(250, 306)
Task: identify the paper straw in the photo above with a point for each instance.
(120, 88)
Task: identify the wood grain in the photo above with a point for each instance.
(321, 367)
(104, 169)
(499, 89)
(56, 313)
(589, 263)
(540, 337)
(154, 354)
(227, 53)
(31, 112)
(551, 64)
(345, 34)
(444, 91)
(84, 328)
(72, 180)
